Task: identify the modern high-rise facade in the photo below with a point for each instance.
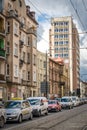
(64, 43)
(18, 49)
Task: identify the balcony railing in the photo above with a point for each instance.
(24, 82)
(2, 54)
(31, 31)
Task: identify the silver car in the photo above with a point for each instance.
(18, 110)
(66, 102)
(2, 115)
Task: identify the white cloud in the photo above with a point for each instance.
(43, 44)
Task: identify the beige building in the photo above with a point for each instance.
(20, 42)
(64, 42)
(42, 73)
(2, 57)
(83, 89)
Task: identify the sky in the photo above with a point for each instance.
(46, 9)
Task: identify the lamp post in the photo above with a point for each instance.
(46, 84)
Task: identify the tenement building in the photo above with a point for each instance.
(64, 43)
(18, 50)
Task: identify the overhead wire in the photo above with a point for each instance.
(41, 9)
(38, 10)
(77, 14)
(84, 4)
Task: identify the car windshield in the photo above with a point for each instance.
(12, 104)
(65, 100)
(58, 99)
(73, 99)
(51, 102)
(34, 101)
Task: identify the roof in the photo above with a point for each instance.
(59, 60)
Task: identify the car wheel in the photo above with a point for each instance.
(46, 112)
(39, 113)
(31, 117)
(70, 107)
(60, 109)
(2, 121)
(57, 109)
(20, 119)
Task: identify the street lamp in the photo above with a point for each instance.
(46, 78)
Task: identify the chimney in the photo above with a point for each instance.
(33, 14)
(27, 9)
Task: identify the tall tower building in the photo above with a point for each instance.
(64, 43)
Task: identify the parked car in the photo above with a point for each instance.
(39, 105)
(18, 110)
(66, 102)
(2, 115)
(75, 100)
(54, 105)
(58, 99)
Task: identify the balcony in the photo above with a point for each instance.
(2, 77)
(2, 33)
(24, 82)
(21, 43)
(32, 31)
(8, 79)
(12, 13)
(2, 54)
(2, 28)
(21, 63)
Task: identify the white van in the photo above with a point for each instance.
(66, 102)
(39, 105)
(75, 100)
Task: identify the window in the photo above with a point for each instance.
(8, 48)
(34, 43)
(16, 29)
(8, 27)
(28, 41)
(23, 38)
(28, 75)
(28, 57)
(7, 69)
(65, 23)
(15, 49)
(34, 76)
(20, 3)
(23, 56)
(34, 59)
(9, 6)
(1, 43)
(15, 70)
(24, 75)
(44, 64)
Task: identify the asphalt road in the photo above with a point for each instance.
(73, 119)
